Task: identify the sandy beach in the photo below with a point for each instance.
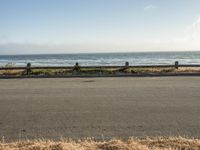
(102, 108)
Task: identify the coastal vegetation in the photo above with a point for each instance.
(91, 144)
(97, 71)
(81, 70)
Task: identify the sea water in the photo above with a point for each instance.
(102, 59)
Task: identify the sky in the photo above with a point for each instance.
(79, 26)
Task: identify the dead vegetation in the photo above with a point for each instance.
(90, 144)
(77, 70)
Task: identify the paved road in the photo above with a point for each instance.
(99, 107)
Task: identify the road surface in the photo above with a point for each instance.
(99, 107)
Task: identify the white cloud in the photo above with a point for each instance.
(191, 34)
(189, 39)
(195, 30)
(149, 7)
(196, 23)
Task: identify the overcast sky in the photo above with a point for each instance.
(73, 26)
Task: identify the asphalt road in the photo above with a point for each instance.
(99, 107)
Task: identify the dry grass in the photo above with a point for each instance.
(89, 144)
(11, 72)
(164, 70)
(101, 71)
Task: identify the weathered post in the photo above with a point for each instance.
(77, 68)
(126, 64)
(77, 64)
(176, 64)
(28, 68)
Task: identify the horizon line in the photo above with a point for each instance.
(145, 51)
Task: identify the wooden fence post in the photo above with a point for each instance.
(28, 68)
(77, 67)
(127, 64)
(176, 64)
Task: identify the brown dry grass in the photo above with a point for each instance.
(164, 70)
(89, 144)
(89, 71)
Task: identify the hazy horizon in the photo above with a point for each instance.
(94, 26)
(106, 52)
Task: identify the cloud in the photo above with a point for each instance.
(150, 7)
(191, 34)
(195, 30)
(33, 48)
(196, 23)
(188, 40)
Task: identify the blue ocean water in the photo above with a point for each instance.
(103, 59)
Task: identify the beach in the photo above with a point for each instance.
(103, 108)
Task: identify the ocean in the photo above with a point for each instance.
(102, 59)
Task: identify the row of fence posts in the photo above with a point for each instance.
(77, 67)
(176, 64)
